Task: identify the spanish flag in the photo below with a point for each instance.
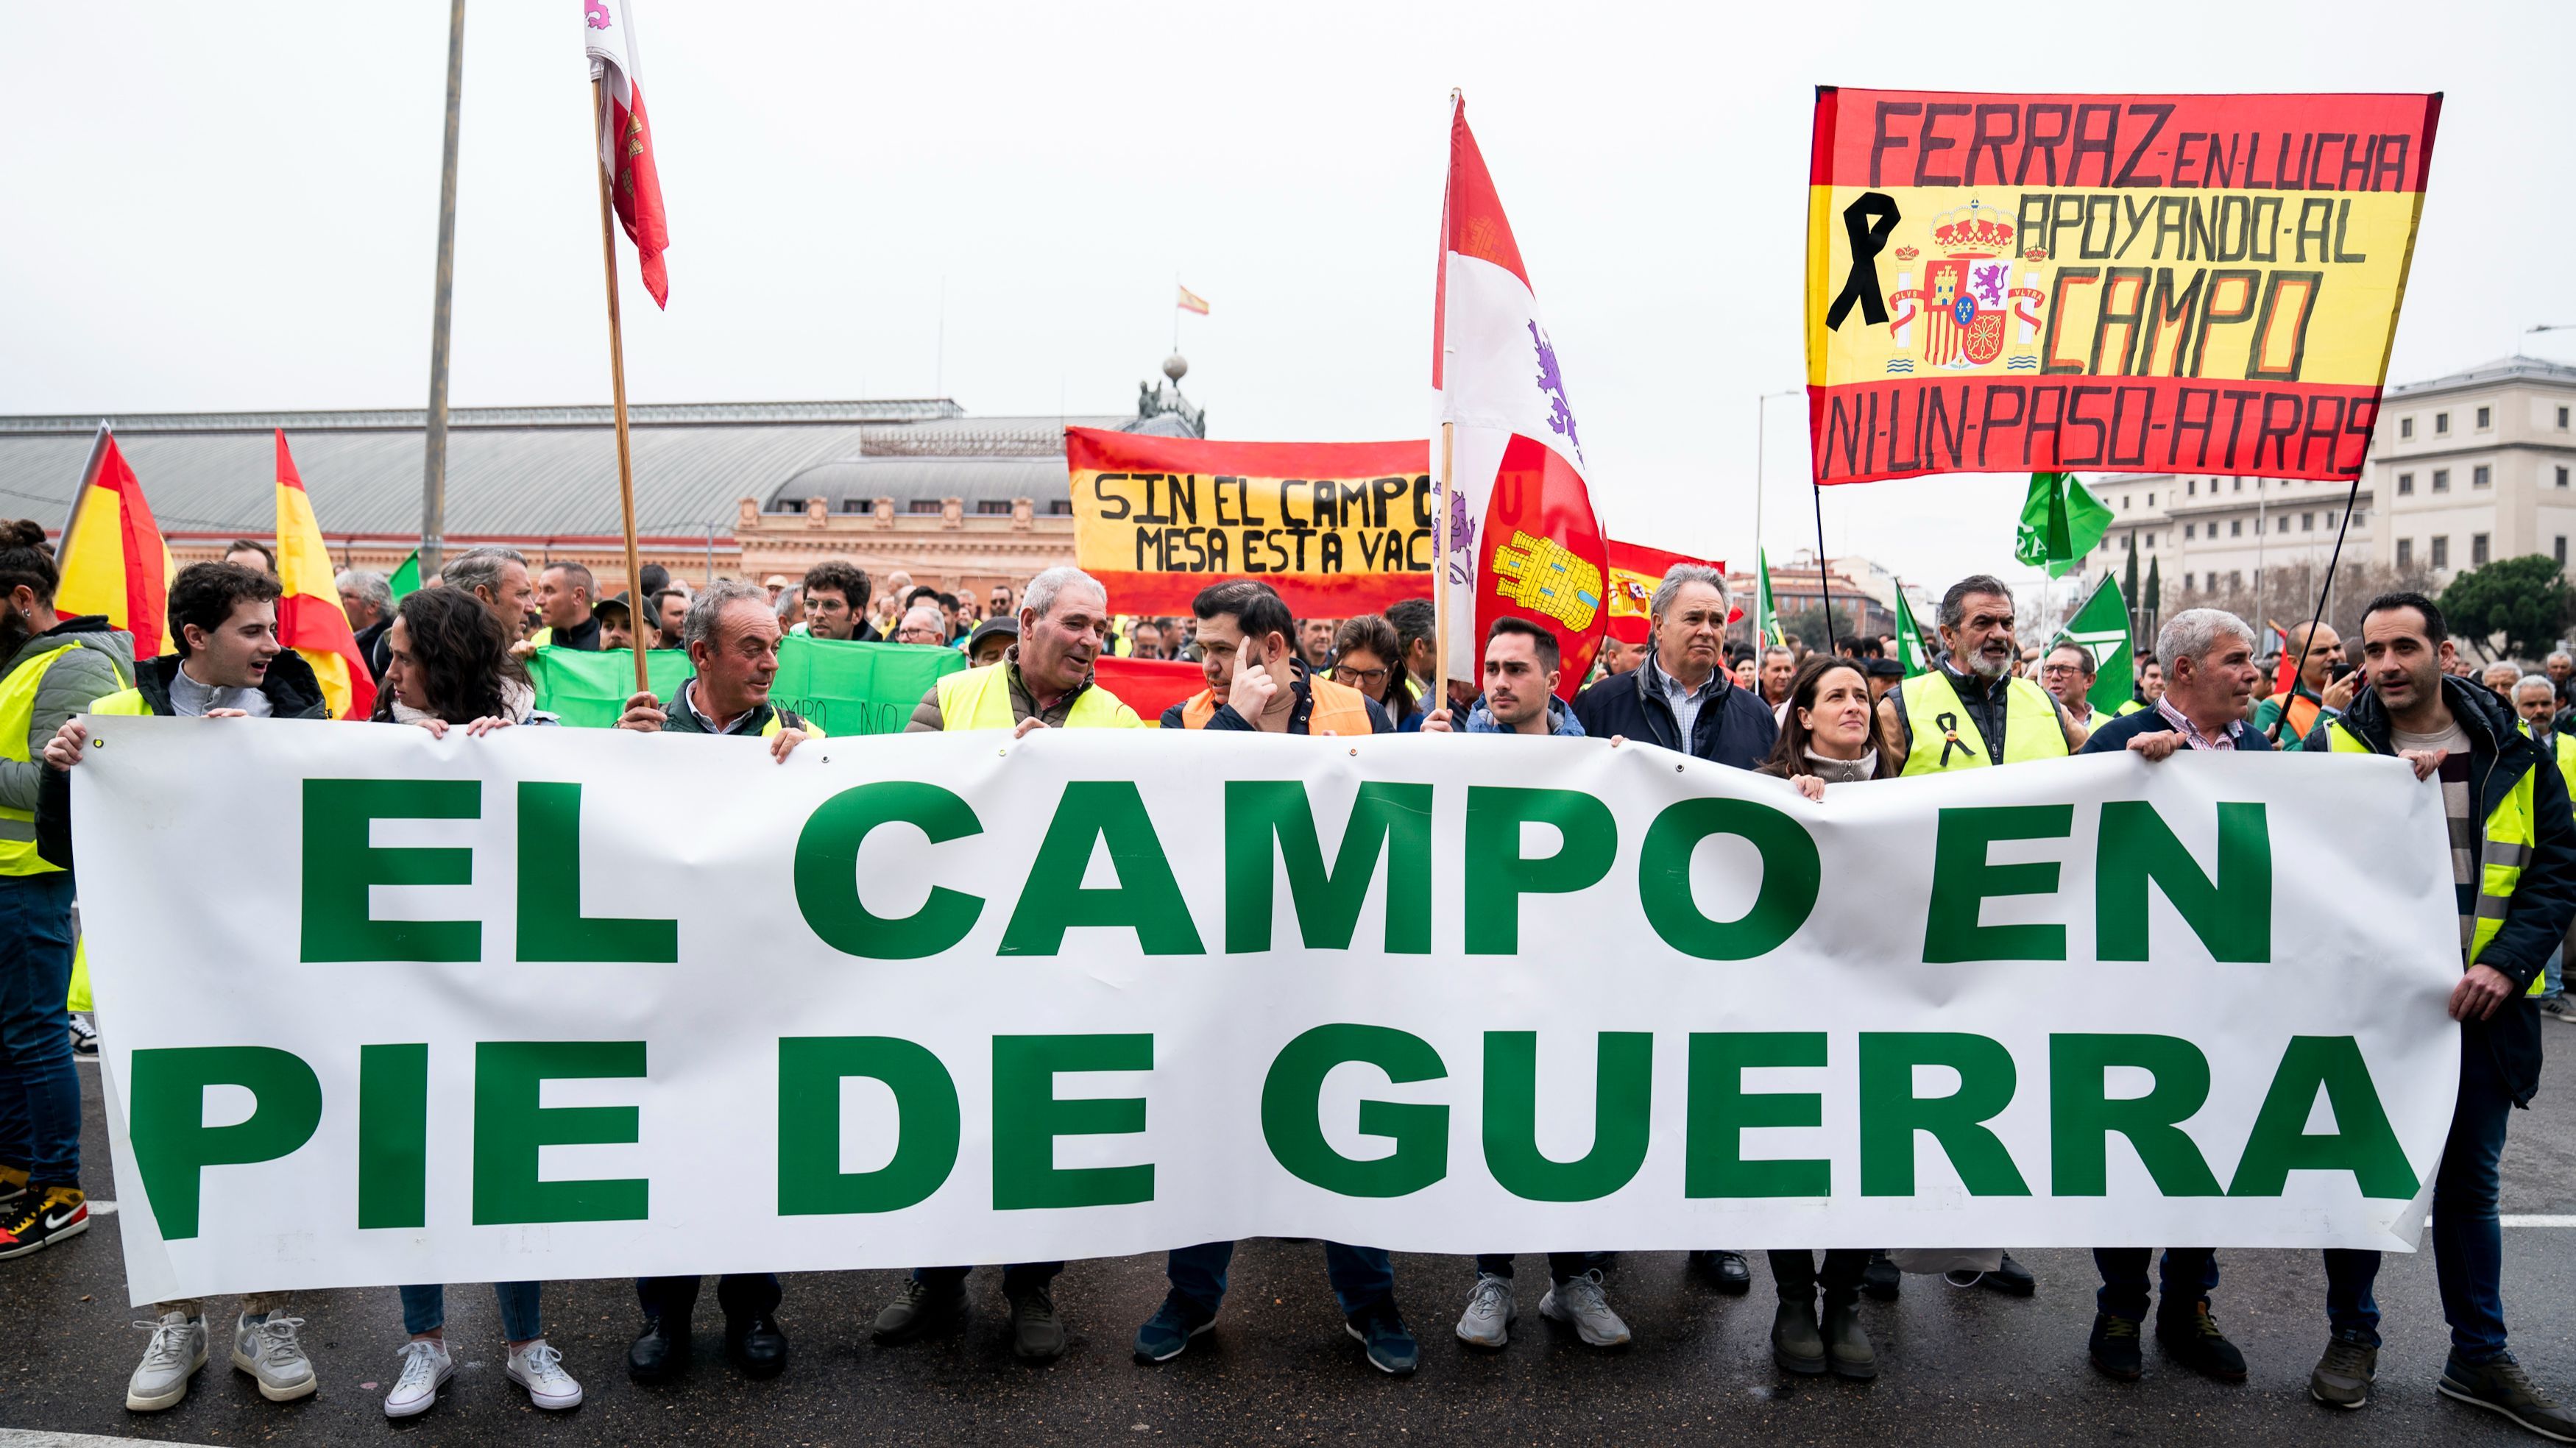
(113, 559)
(309, 617)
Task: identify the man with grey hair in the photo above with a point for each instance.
(369, 602)
(1973, 705)
(2560, 666)
(498, 577)
(2210, 677)
(2535, 698)
(1044, 681)
(922, 623)
(1681, 697)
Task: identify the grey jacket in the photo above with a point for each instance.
(100, 663)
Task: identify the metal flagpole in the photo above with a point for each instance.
(617, 376)
(433, 482)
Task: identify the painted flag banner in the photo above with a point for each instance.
(113, 559)
(961, 998)
(1635, 570)
(2120, 283)
(2101, 626)
(626, 137)
(1339, 528)
(846, 687)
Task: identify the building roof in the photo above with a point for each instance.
(535, 472)
(2516, 368)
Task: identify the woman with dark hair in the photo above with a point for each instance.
(452, 665)
(1368, 657)
(1824, 738)
(1825, 734)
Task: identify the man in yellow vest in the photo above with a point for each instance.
(1256, 679)
(1044, 681)
(50, 668)
(1972, 711)
(2535, 698)
(2514, 868)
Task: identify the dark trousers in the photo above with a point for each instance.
(740, 1294)
(2468, 1241)
(1017, 1279)
(1362, 1277)
(1798, 1277)
(2189, 1275)
(40, 1100)
(1560, 1265)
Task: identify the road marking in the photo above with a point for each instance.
(97, 1208)
(21, 1438)
(2537, 1221)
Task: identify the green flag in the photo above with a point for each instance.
(2102, 625)
(1912, 649)
(1766, 618)
(406, 579)
(847, 688)
(2060, 523)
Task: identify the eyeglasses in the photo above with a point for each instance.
(1345, 674)
(917, 635)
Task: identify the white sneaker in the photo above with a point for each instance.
(425, 1367)
(539, 1369)
(177, 1350)
(1579, 1300)
(1487, 1322)
(265, 1347)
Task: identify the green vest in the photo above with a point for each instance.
(2504, 848)
(1941, 726)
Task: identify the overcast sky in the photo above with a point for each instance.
(233, 207)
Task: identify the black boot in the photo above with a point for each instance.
(1847, 1347)
(659, 1353)
(1880, 1279)
(756, 1345)
(1797, 1344)
(1724, 1271)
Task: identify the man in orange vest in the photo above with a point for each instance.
(1255, 678)
(2315, 694)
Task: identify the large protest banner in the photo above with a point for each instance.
(1339, 528)
(848, 688)
(483, 1013)
(2121, 283)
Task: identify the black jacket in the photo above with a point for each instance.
(293, 693)
(1734, 727)
(2544, 900)
(2115, 735)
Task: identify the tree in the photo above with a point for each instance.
(2153, 605)
(2526, 600)
(1807, 625)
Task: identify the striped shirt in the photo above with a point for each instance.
(2462, 811)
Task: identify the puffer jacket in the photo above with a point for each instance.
(100, 663)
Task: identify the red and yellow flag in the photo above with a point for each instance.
(113, 559)
(1635, 570)
(309, 618)
(1192, 301)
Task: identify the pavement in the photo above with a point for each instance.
(1971, 1368)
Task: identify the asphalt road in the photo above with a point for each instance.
(1958, 1367)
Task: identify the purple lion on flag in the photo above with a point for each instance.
(596, 12)
(1552, 382)
(1462, 539)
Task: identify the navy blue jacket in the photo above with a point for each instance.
(1734, 727)
(2113, 737)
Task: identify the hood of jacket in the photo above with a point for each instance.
(89, 631)
(2484, 717)
(1560, 720)
(293, 691)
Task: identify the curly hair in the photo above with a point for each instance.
(841, 576)
(25, 561)
(462, 652)
(205, 594)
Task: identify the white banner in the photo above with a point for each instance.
(562, 1004)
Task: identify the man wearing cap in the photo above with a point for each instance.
(992, 641)
(616, 622)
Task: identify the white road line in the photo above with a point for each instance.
(22, 1438)
(2511, 1220)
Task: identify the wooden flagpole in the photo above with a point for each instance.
(617, 381)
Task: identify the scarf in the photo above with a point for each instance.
(1843, 771)
(518, 701)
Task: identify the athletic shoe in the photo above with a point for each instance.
(918, 1310)
(538, 1368)
(2344, 1375)
(265, 1347)
(84, 1037)
(13, 1185)
(1381, 1330)
(1166, 1334)
(426, 1367)
(2560, 1005)
(2502, 1387)
(1487, 1322)
(2114, 1347)
(1037, 1334)
(2199, 1345)
(1579, 1300)
(177, 1350)
(42, 1216)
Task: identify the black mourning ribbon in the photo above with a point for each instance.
(1949, 737)
(1868, 221)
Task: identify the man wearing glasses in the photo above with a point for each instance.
(923, 623)
(2067, 674)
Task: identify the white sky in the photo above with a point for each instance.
(233, 207)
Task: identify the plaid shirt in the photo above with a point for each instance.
(2190, 732)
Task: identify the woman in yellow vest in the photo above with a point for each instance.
(1255, 679)
(53, 668)
(1972, 712)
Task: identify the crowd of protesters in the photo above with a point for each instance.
(451, 656)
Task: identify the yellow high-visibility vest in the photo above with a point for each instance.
(2504, 849)
(981, 699)
(1941, 726)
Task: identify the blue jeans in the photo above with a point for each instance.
(40, 1100)
(1017, 1278)
(1362, 1277)
(1560, 1265)
(2468, 1242)
(740, 1294)
(425, 1310)
(2189, 1275)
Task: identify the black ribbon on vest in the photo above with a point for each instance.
(1869, 221)
(1950, 737)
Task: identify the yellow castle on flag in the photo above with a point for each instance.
(1541, 575)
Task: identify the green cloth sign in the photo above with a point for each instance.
(848, 688)
(406, 579)
(2102, 625)
(1913, 650)
(2060, 523)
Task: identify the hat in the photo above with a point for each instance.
(615, 603)
(775, 580)
(1003, 627)
(1882, 668)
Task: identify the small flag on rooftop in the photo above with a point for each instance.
(1192, 301)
